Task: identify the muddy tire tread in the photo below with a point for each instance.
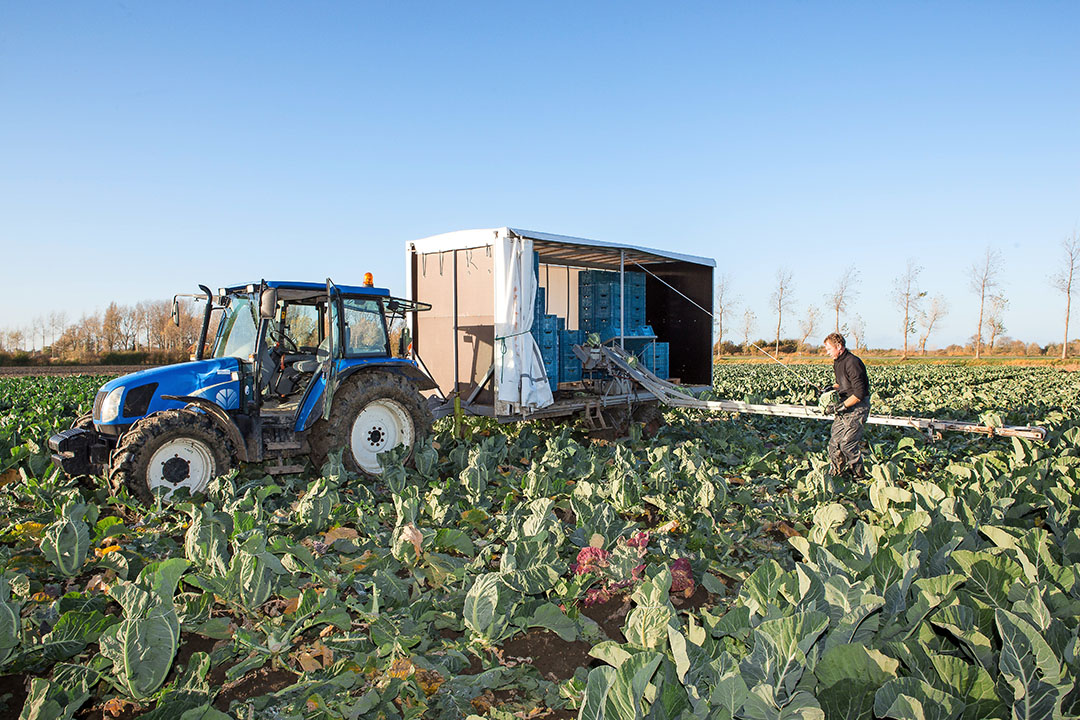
(354, 393)
(133, 452)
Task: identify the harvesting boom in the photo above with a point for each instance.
(675, 396)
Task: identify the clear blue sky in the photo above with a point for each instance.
(148, 147)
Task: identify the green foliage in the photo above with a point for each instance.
(717, 571)
(66, 541)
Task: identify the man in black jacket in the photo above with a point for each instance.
(852, 408)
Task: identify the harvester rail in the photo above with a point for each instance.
(672, 395)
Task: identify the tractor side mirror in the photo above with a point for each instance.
(176, 311)
(268, 304)
(404, 341)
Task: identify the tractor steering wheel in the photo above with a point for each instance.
(278, 337)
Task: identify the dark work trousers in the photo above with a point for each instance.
(845, 443)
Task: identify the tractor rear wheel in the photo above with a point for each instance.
(373, 412)
(170, 450)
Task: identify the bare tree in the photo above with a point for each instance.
(984, 280)
(112, 336)
(1063, 281)
(995, 320)
(908, 298)
(57, 321)
(781, 299)
(843, 293)
(808, 324)
(15, 339)
(38, 327)
(928, 319)
(858, 332)
(724, 300)
(749, 322)
(129, 327)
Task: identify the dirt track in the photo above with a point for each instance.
(71, 370)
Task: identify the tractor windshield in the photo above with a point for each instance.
(237, 331)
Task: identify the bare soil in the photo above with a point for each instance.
(610, 616)
(255, 684)
(123, 711)
(16, 686)
(699, 599)
(190, 643)
(553, 657)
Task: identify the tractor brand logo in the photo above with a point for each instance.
(227, 398)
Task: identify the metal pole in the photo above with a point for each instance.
(457, 378)
(622, 299)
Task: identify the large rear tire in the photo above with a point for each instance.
(170, 450)
(372, 412)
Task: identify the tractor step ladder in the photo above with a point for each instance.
(672, 395)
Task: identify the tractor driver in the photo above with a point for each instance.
(852, 408)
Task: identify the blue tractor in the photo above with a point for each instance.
(296, 369)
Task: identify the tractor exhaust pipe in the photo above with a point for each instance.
(205, 322)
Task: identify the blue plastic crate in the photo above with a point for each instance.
(541, 300)
(570, 372)
(546, 325)
(567, 339)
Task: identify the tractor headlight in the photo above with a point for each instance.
(110, 407)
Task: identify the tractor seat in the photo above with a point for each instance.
(306, 363)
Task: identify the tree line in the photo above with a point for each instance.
(145, 328)
(918, 312)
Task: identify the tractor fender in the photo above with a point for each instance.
(311, 405)
(220, 418)
(415, 374)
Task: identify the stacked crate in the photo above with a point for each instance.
(569, 364)
(600, 309)
(661, 361)
(546, 333)
(654, 356)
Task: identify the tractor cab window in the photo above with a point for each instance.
(237, 330)
(302, 325)
(365, 330)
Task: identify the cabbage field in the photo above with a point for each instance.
(713, 571)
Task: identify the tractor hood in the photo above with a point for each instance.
(126, 399)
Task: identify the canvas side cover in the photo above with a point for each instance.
(520, 382)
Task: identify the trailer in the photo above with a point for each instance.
(491, 289)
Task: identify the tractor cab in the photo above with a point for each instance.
(292, 339)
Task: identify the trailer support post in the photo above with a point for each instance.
(622, 299)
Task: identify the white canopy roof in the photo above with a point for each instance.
(557, 249)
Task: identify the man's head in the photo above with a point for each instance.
(835, 345)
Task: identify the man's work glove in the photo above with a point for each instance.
(840, 408)
(826, 388)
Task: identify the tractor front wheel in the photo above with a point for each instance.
(170, 450)
(373, 412)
